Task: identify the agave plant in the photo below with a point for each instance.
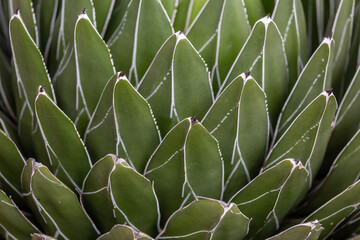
(179, 119)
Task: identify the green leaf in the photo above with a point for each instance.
(212, 36)
(100, 135)
(11, 164)
(46, 18)
(222, 117)
(255, 10)
(137, 132)
(186, 12)
(290, 18)
(133, 196)
(169, 6)
(94, 65)
(70, 11)
(252, 127)
(177, 83)
(27, 13)
(122, 232)
(63, 143)
(206, 219)
(336, 181)
(7, 92)
(342, 31)
(347, 119)
(332, 213)
(204, 166)
(156, 84)
(37, 236)
(12, 220)
(309, 231)
(257, 56)
(309, 85)
(29, 63)
(307, 137)
(139, 36)
(95, 195)
(60, 204)
(103, 11)
(191, 90)
(271, 195)
(166, 169)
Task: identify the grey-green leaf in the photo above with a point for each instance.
(204, 165)
(257, 56)
(122, 232)
(133, 196)
(271, 195)
(308, 231)
(206, 219)
(309, 85)
(290, 18)
(103, 11)
(95, 195)
(307, 137)
(253, 126)
(166, 169)
(139, 36)
(63, 143)
(94, 65)
(100, 135)
(60, 204)
(332, 213)
(137, 133)
(12, 220)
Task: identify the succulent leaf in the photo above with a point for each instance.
(309, 231)
(94, 65)
(122, 232)
(135, 125)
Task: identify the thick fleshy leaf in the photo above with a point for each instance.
(100, 135)
(137, 132)
(307, 137)
(309, 85)
(46, 17)
(290, 18)
(177, 83)
(29, 63)
(166, 169)
(206, 219)
(308, 231)
(122, 232)
(63, 143)
(133, 196)
(60, 204)
(12, 220)
(37, 236)
(342, 31)
(156, 84)
(27, 13)
(6, 92)
(11, 164)
(70, 11)
(103, 11)
(212, 36)
(332, 213)
(169, 6)
(344, 172)
(252, 127)
(139, 36)
(191, 90)
(255, 10)
(186, 12)
(204, 166)
(94, 65)
(257, 56)
(222, 117)
(271, 195)
(347, 119)
(95, 195)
